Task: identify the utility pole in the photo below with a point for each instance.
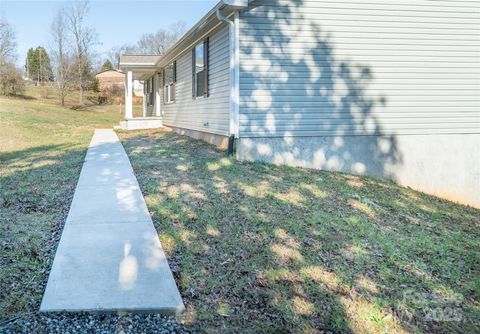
(40, 68)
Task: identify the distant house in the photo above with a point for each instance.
(111, 84)
(383, 88)
(110, 79)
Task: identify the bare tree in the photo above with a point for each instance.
(114, 54)
(178, 29)
(61, 54)
(155, 43)
(11, 81)
(8, 42)
(84, 39)
(158, 43)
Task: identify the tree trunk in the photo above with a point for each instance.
(80, 76)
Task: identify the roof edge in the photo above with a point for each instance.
(227, 7)
(197, 27)
(112, 69)
(138, 61)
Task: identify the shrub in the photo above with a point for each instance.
(113, 94)
(11, 80)
(94, 98)
(95, 86)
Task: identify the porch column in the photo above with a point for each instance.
(144, 99)
(128, 95)
(157, 95)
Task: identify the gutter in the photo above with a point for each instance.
(233, 88)
(137, 64)
(234, 32)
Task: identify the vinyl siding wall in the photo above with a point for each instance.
(383, 88)
(210, 114)
(359, 67)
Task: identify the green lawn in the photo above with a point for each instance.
(254, 248)
(42, 147)
(259, 248)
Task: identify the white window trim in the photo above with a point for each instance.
(170, 88)
(206, 69)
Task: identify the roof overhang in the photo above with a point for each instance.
(143, 66)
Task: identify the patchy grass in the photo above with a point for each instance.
(259, 248)
(42, 147)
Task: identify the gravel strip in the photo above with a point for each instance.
(67, 323)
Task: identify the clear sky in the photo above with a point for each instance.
(116, 22)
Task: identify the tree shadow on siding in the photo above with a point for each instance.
(306, 89)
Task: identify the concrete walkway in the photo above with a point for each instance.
(109, 257)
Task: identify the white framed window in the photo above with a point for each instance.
(169, 79)
(200, 70)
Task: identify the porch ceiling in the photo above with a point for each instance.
(143, 74)
(142, 66)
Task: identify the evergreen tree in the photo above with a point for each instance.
(95, 85)
(30, 65)
(38, 65)
(107, 65)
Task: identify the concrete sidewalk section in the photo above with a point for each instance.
(109, 257)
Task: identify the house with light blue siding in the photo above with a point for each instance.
(383, 88)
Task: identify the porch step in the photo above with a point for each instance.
(140, 123)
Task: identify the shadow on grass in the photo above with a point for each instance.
(36, 188)
(259, 248)
(21, 97)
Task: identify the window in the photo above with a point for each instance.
(150, 91)
(200, 69)
(169, 79)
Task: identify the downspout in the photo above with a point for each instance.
(234, 78)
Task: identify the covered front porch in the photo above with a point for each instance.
(142, 68)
